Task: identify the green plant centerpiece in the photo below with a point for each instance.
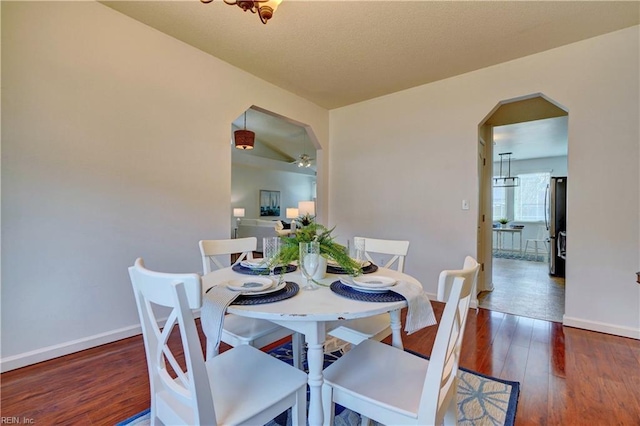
(329, 248)
(503, 220)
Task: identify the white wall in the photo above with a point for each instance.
(115, 143)
(401, 164)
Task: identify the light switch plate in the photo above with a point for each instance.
(465, 204)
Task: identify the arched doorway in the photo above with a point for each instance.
(513, 116)
(281, 164)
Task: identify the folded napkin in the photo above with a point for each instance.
(214, 307)
(255, 264)
(420, 313)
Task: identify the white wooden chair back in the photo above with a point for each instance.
(209, 249)
(396, 248)
(539, 242)
(469, 270)
(185, 399)
(440, 385)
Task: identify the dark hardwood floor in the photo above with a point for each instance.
(568, 376)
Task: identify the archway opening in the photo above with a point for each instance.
(274, 176)
(534, 129)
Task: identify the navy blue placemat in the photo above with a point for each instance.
(344, 290)
(289, 290)
(262, 271)
(370, 268)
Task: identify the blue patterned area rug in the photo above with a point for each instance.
(482, 400)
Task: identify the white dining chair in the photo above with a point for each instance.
(212, 251)
(380, 326)
(470, 270)
(395, 387)
(396, 250)
(239, 330)
(539, 242)
(242, 386)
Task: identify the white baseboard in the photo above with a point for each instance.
(601, 327)
(32, 357)
(66, 348)
(50, 352)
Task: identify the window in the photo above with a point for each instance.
(499, 203)
(529, 197)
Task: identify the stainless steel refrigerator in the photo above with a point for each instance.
(556, 221)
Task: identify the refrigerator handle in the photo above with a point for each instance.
(562, 247)
(546, 209)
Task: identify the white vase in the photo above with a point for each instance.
(321, 272)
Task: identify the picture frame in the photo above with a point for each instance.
(269, 203)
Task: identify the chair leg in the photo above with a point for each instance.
(299, 411)
(297, 348)
(153, 420)
(451, 415)
(328, 409)
(396, 326)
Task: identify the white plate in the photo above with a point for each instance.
(254, 264)
(374, 281)
(267, 291)
(354, 286)
(250, 284)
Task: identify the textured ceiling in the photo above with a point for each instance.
(532, 139)
(336, 53)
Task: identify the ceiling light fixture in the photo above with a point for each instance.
(244, 139)
(264, 8)
(507, 181)
(304, 161)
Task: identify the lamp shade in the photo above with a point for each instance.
(238, 212)
(267, 9)
(292, 213)
(307, 208)
(244, 139)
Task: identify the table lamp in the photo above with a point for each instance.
(307, 208)
(292, 213)
(237, 213)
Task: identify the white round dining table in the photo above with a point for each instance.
(312, 313)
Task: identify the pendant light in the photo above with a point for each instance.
(244, 139)
(507, 181)
(305, 159)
